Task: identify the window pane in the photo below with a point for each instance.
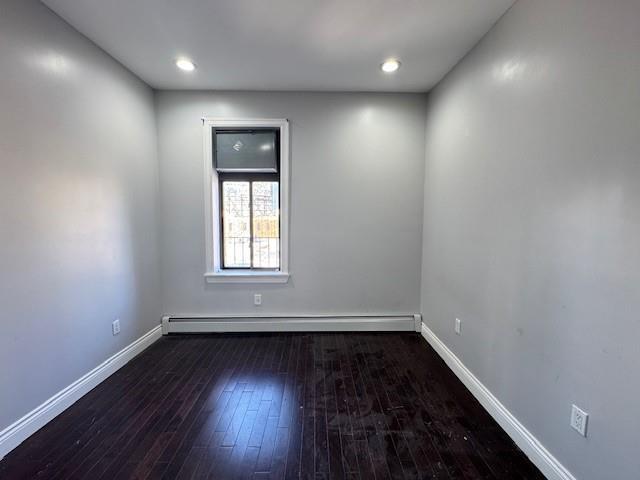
(266, 225)
(246, 151)
(235, 227)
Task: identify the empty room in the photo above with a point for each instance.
(320, 239)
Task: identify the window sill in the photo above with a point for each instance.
(246, 276)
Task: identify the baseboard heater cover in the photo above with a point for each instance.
(290, 323)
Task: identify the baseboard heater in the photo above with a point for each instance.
(290, 323)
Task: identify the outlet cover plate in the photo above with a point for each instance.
(579, 420)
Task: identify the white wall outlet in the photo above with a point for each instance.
(257, 299)
(457, 327)
(115, 326)
(579, 419)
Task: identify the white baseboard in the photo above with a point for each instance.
(20, 430)
(530, 445)
(291, 323)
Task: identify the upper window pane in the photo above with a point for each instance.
(246, 151)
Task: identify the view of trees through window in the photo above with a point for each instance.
(251, 224)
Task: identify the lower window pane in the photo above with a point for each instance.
(236, 225)
(266, 225)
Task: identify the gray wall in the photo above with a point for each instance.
(357, 163)
(78, 187)
(532, 223)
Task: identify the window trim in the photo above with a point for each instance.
(214, 273)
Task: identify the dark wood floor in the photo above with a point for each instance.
(353, 406)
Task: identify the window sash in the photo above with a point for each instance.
(249, 178)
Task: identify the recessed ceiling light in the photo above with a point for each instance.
(390, 66)
(185, 64)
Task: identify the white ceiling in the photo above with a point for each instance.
(285, 44)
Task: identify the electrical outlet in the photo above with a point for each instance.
(579, 419)
(257, 299)
(458, 326)
(115, 326)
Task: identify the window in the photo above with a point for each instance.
(247, 168)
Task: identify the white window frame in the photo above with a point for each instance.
(214, 272)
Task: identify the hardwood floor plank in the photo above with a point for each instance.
(321, 449)
(260, 424)
(208, 460)
(307, 452)
(191, 463)
(296, 421)
(333, 418)
(279, 459)
(263, 464)
(241, 444)
(238, 420)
